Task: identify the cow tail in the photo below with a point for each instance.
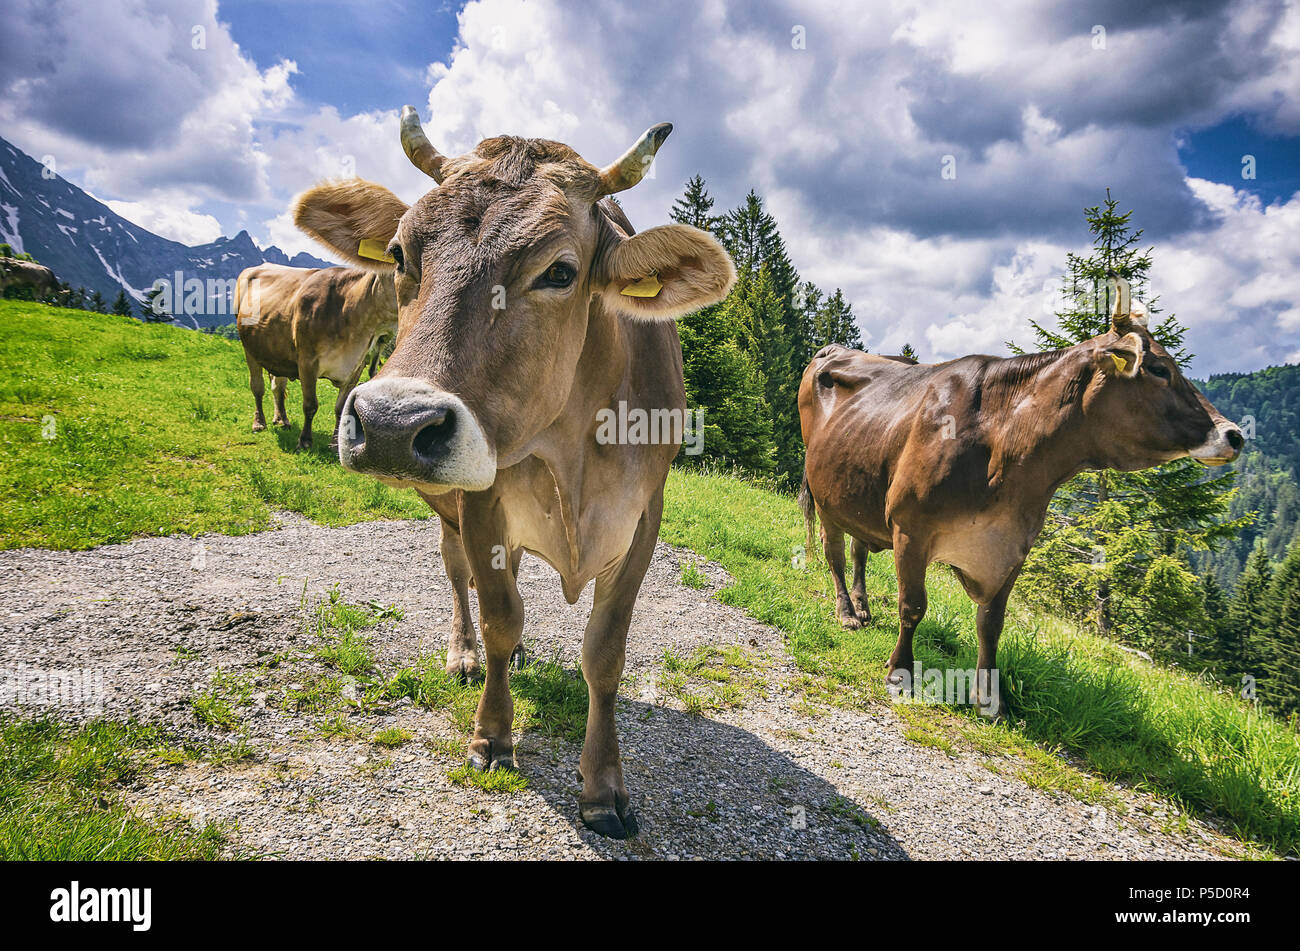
(809, 509)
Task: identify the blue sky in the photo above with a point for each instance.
(1216, 153)
(356, 57)
(841, 121)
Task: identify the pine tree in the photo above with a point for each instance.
(1278, 644)
(694, 208)
(910, 353)
(835, 324)
(726, 383)
(722, 365)
(97, 303)
(769, 285)
(122, 305)
(1115, 547)
(1217, 646)
(1247, 614)
(153, 311)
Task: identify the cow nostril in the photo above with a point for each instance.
(431, 441)
(355, 431)
(1235, 439)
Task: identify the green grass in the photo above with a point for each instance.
(710, 678)
(59, 795)
(1150, 727)
(692, 576)
(151, 436)
(549, 699)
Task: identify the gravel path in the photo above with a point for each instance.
(777, 776)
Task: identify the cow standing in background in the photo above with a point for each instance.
(957, 462)
(311, 324)
(530, 310)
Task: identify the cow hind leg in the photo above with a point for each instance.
(833, 549)
(278, 384)
(989, 619)
(257, 383)
(910, 563)
(604, 805)
(462, 647)
(858, 596)
(309, 406)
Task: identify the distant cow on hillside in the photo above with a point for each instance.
(307, 324)
(956, 462)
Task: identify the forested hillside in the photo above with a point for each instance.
(1267, 405)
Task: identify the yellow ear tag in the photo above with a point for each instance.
(375, 250)
(646, 287)
(1120, 363)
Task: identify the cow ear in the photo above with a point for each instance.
(1123, 357)
(665, 272)
(353, 218)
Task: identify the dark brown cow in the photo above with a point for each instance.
(307, 325)
(957, 462)
(530, 312)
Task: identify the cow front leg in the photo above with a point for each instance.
(309, 405)
(910, 562)
(858, 596)
(501, 619)
(462, 646)
(989, 619)
(604, 804)
(278, 385)
(256, 383)
(833, 549)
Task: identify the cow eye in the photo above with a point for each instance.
(396, 251)
(1159, 370)
(558, 274)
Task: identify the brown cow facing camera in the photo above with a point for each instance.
(956, 462)
(529, 310)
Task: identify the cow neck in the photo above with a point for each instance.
(1035, 413)
(563, 446)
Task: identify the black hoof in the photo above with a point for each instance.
(493, 761)
(605, 820)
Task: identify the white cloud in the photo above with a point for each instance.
(139, 95)
(168, 216)
(844, 137)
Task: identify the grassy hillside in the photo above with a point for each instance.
(111, 428)
(151, 436)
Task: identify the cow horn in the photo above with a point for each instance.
(1119, 293)
(631, 167)
(417, 146)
